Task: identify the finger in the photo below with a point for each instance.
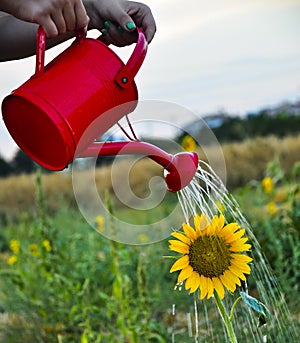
(148, 25)
(59, 22)
(48, 26)
(82, 19)
(142, 16)
(122, 18)
(149, 30)
(109, 36)
(118, 37)
(69, 17)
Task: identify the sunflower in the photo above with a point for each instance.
(213, 257)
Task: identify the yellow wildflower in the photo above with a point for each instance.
(33, 248)
(14, 246)
(188, 143)
(100, 223)
(12, 260)
(47, 245)
(271, 207)
(267, 185)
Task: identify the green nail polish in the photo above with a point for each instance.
(120, 28)
(130, 25)
(104, 32)
(107, 24)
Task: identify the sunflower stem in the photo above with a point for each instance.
(226, 320)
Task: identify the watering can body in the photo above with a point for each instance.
(48, 114)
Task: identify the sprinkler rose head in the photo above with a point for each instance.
(181, 170)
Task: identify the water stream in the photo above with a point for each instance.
(207, 194)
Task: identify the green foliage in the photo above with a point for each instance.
(275, 218)
(237, 129)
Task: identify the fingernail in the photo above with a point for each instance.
(120, 28)
(130, 25)
(107, 24)
(104, 32)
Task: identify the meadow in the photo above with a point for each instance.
(63, 281)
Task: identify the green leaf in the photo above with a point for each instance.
(169, 256)
(258, 307)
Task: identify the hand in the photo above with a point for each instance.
(117, 19)
(55, 16)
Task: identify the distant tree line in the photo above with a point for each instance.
(233, 129)
(20, 164)
(261, 124)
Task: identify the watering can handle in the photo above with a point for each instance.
(125, 75)
(41, 47)
(129, 71)
(40, 51)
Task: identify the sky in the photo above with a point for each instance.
(233, 55)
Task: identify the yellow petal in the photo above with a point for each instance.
(189, 231)
(217, 224)
(197, 221)
(213, 225)
(228, 230)
(196, 283)
(240, 247)
(191, 280)
(237, 272)
(176, 242)
(242, 257)
(243, 267)
(241, 241)
(181, 237)
(220, 222)
(181, 250)
(232, 277)
(210, 288)
(203, 286)
(201, 222)
(235, 236)
(185, 273)
(218, 287)
(230, 285)
(178, 246)
(181, 263)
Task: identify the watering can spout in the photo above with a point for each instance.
(179, 169)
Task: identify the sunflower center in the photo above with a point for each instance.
(209, 256)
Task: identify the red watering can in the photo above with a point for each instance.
(48, 114)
